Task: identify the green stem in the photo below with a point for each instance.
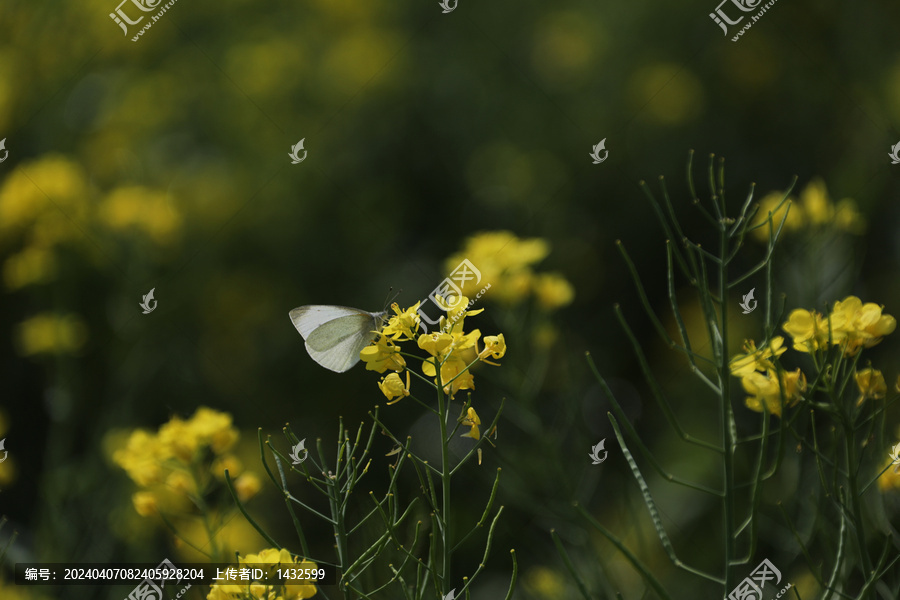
(855, 507)
(728, 434)
(443, 412)
(340, 533)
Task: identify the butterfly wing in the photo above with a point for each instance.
(335, 335)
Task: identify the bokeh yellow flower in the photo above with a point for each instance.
(31, 266)
(142, 457)
(134, 208)
(145, 503)
(52, 189)
(791, 212)
(553, 291)
(816, 205)
(546, 583)
(51, 333)
(814, 209)
(247, 486)
(506, 262)
(228, 462)
(166, 463)
(871, 384)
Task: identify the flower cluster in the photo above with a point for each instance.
(768, 387)
(451, 353)
(175, 462)
(270, 559)
(507, 262)
(851, 326)
(814, 209)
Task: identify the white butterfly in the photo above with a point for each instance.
(336, 334)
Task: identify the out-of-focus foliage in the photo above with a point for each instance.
(431, 137)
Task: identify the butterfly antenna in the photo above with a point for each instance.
(388, 299)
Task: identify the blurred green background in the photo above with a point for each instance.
(163, 164)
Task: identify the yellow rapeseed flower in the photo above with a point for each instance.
(755, 359)
(392, 387)
(764, 390)
(272, 559)
(472, 421)
(454, 375)
(454, 321)
(494, 346)
(382, 355)
(857, 325)
(871, 384)
(435, 343)
(404, 324)
(809, 330)
(180, 438)
(214, 428)
(143, 457)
